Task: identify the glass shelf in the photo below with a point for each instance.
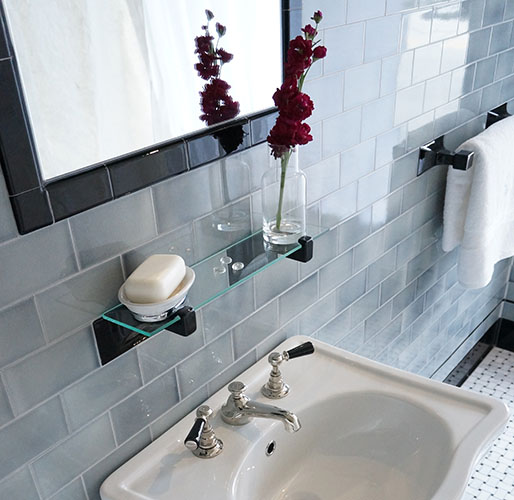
(215, 275)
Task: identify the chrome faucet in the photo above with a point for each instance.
(239, 410)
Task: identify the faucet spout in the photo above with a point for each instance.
(261, 410)
(239, 410)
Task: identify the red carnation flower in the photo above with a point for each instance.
(319, 52)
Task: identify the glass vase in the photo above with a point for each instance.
(284, 199)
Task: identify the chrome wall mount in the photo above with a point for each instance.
(275, 387)
(202, 440)
(434, 153)
(240, 410)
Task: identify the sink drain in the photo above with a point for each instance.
(271, 448)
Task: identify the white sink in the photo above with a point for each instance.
(369, 432)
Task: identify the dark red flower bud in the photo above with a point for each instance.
(309, 31)
(317, 16)
(224, 56)
(209, 14)
(319, 52)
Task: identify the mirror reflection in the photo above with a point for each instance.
(113, 76)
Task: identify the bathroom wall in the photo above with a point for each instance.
(399, 73)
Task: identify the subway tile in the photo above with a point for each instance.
(255, 329)
(359, 10)
(400, 5)
(408, 248)
(382, 36)
(426, 62)
(19, 486)
(454, 52)
(500, 37)
(334, 13)
(471, 15)
(80, 299)
(186, 197)
(44, 373)
(211, 239)
(391, 145)
(94, 477)
(227, 310)
(164, 350)
(274, 280)
(445, 22)
(377, 320)
(144, 406)
(416, 29)
(462, 81)
(437, 92)
(339, 205)
(102, 389)
(322, 178)
(334, 331)
(7, 223)
(509, 11)
(318, 314)
(351, 290)
(299, 298)
(6, 413)
(478, 46)
(341, 132)
(420, 130)
(21, 331)
(386, 210)
(409, 103)
(73, 491)
(404, 299)
(397, 231)
(393, 285)
(378, 116)
(173, 415)
(362, 84)
(334, 273)
(106, 231)
(232, 372)
(204, 365)
(179, 242)
(484, 74)
(507, 89)
(493, 12)
(346, 47)
(365, 306)
(373, 187)
(30, 435)
(369, 250)
(354, 230)
(327, 95)
(72, 457)
(404, 170)
(381, 268)
(504, 64)
(396, 72)
(35, 261)
(352, 340)
(357, 162)
(422, 262)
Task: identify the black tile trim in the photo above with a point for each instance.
(61, 198)
(501, 335)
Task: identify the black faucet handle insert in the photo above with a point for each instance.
(301, 350)
(192, 441)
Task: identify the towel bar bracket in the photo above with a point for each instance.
(496, 115)
(434, 153)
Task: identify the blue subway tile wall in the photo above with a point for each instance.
(398, 73)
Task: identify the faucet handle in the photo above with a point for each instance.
(237, 389)
(201, 439)
(275, 387)
(300, 350)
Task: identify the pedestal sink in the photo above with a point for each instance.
(369, 432)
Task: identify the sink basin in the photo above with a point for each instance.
(369, 432)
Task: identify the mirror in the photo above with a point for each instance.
(104, 78)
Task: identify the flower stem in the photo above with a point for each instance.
(284, 161)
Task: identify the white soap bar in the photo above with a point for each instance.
(155, 279)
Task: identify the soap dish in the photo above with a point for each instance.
(159, 311)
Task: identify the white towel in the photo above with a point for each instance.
(479, 205)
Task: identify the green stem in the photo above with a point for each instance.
(284, 161)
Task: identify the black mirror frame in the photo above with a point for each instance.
(38, 203)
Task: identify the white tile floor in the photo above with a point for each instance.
(494, 477)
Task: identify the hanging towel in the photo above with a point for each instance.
(479, 205)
